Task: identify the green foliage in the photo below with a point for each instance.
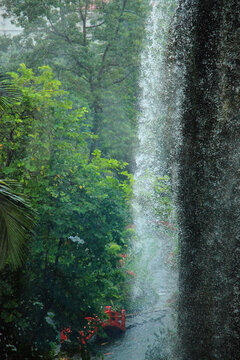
(70, 151)
(7, 93)
(113, 248)
(72, 269)
(96, 54)
(16, 214)
(16, 220)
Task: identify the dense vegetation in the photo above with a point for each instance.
(93, 47)
(67, 141)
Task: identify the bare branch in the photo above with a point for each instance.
(58, 33)
(93, 26)
(121, 79)
(80, 12)
(126, 76)
(64, 36)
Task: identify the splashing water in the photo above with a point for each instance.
(189, 108)
(154, 247)
(155, 283)
(154, 213)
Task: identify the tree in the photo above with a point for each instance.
(83, 210)
(16, 214)
(8, 93)
(16, 220)
(94, 47)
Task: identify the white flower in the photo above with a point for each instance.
(77, 239)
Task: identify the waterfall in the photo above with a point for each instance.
(188, 163)
(206, 44)
(189, 152)
(154, 210)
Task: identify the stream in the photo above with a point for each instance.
(139, 334)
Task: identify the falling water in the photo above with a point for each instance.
(155, 247)
(154, 213)
(154, 289)
(189, 76)
(207, 44)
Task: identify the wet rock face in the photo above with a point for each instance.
(207, 47)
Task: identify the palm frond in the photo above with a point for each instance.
(16, 220)
(8, 93)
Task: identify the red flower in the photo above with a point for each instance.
(131, 273)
